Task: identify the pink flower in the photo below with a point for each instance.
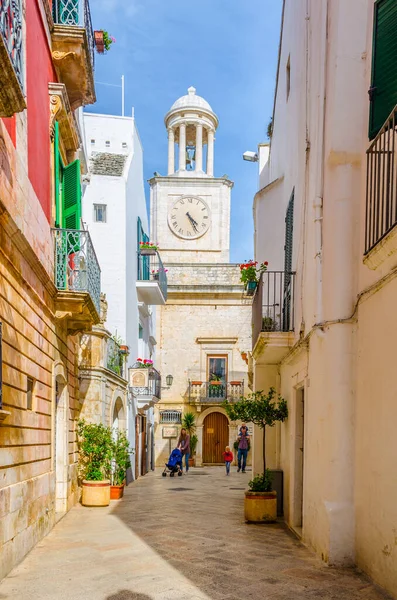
(113, 39)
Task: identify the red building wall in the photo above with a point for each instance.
(10, 125)
(39, 72)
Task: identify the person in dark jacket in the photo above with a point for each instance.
(243, 443)
(184, 447)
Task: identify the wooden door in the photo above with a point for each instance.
(215, 437)
(137, 418)
(143, 447)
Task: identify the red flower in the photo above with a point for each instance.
(265, 263)
(145, 361)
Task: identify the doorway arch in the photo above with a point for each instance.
(61, 430)
(215, 437)
(118, 414)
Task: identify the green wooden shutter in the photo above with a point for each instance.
(143, 261)
(57, 175)
(383, 92)
(288, 248)
(71, 196)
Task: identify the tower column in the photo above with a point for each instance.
(182, 147)
(210, 153)
(199, 147)
(171, 151)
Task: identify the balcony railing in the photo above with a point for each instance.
(170, 416)
(214, 393)
(115, 358)
(151, 268)
(12, 34)
(381, 202)
(76, 265)
(75, 12)
(153, 388)
(273, 303)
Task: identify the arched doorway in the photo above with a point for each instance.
(215, 437)
(118, 418)
(61, 444)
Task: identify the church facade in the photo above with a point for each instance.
(205, 326)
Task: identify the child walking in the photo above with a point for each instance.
(228, 458)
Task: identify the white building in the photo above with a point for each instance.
(114, 211)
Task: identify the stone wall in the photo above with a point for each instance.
(203, 274)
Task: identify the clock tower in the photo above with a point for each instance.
(190, 207)
(204, 328)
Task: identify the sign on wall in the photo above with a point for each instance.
(170, 432)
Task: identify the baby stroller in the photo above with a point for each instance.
(174, 464)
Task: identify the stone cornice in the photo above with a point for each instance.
(60, 111)
(216, 340)
(172, 179)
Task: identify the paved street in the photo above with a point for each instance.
(176, 539)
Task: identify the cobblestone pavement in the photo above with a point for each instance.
(177, 539)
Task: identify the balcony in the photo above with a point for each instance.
(381, 194)
(151, 282)
(73, 50)
(212, 392)
(12, 98)
(77, 278)
(273, 316)
(145, 385)
(115, 358)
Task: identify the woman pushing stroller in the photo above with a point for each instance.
(184, 447)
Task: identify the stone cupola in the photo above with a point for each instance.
(191, 124)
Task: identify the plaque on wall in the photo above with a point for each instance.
(170, 432)
(139, 377)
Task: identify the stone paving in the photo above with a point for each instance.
(177, 539)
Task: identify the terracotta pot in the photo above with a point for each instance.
(95, 493)
(116, 492)
(260, 507)
(235, 382)
(196, 382)
(124, 349)
(191, 462)
(216, 383)
(99, 43)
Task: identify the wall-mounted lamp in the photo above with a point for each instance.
(169, 379)
(250, 156)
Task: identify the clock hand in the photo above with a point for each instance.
(193, 222)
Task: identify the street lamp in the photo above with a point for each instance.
(169, 379)
(250, 156)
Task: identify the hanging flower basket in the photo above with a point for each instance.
(99, 43)
(147, 249)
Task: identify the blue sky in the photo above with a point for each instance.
(226, 49)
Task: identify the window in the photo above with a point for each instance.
(170, 416)
(288, 76)
(124, 145)
(107, 144)
(217, 368)
(92, 142)
(383, 90)
(67, 189)
(100, 213)
(29, 393)
(140, 332)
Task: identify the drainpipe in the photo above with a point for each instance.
(319, 184)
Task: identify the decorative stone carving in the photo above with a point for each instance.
(61, 111)
(104, 309)
(55, 107)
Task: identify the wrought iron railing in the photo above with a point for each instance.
(215, 392)
(381, 201)
(151, 268)
(170, 416)
(153, 388)
(75, 12)
(115, 358)
(12, 34)
(273, 303)
(76, 265)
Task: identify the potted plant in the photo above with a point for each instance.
(147, 248)
(244, 356)
(95, 454)
(249, 275)
(124, 349)
(120, 462)
(145, 363)
(263, 410)
(189, 423)
(103, 41)
(268, 324)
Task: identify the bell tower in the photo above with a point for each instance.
(190, 206)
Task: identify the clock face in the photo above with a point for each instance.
(189, 217)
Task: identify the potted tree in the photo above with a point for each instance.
(189, 423)
(95, 454)
(264, 410)
(120, 462)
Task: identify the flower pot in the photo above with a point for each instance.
(191, 462)
(116, 492)
(196, 382)
(216, 383)
(250, 287)
(235, 382)
(155, 276)
(124, 349)
(99, 43)
(147, 252)
(260, 507)
(95, 493)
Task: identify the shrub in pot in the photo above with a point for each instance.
(120, 462)
(95, 454)
(189, 423)
(264, 410)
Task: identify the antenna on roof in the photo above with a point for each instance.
(122, 91)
